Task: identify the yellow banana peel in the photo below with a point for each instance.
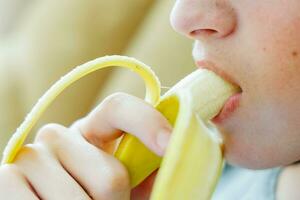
(193, 159)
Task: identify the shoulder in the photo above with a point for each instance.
(288, 183)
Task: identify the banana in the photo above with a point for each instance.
(193, 159)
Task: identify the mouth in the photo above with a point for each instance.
(232, 102)
(229, 107)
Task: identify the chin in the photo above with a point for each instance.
(257, 161)
(246, 163)
(250, 158)
(244, 151)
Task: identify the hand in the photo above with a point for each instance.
(76, 162)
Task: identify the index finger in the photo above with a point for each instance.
(121, 112)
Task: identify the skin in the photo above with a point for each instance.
(256, 44)
(76, 162)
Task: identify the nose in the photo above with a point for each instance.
(200, 19)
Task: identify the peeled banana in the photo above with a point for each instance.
(193, 159)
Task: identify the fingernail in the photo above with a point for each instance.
(163, 138)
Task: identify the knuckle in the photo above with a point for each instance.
(9, 175)
(28, 152)
(114, 100)
(10, 181)
(8, 170)
(50, 133)
(117, 178)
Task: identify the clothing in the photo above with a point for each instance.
(244, 184)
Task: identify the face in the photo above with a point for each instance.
(257, 45)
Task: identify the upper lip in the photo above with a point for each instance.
(209, 65)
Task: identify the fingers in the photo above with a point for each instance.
(46, 175)
(122, 112)
(100, 174)
(66, 163)
(13, 185)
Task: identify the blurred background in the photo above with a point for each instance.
(43, 40)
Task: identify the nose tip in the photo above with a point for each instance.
(200, 19)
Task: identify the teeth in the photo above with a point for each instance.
(193, 160)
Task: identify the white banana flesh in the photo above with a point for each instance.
(193, 160)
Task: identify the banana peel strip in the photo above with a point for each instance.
(152, 95)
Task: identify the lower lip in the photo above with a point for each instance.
(229, 107)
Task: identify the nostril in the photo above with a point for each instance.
(203, 32)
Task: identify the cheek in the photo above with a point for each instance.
(269, 41)
(273, 34)
(279, 63)
(264, 131)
